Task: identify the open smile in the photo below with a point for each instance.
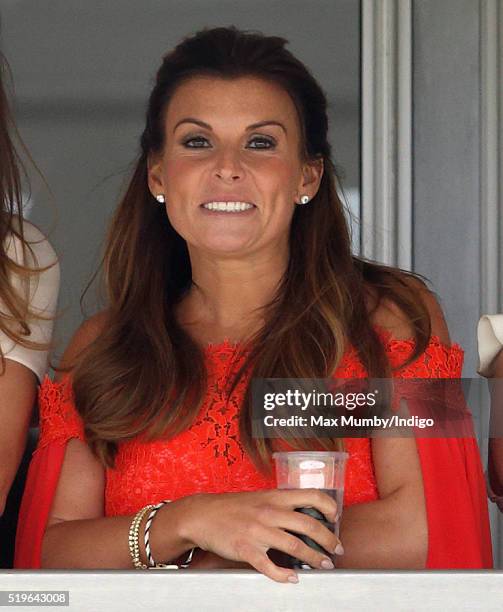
(228, 207)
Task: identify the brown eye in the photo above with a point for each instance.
(261, 142)
(196, 142)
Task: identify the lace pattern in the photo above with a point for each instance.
(59, 419)
(209, 456)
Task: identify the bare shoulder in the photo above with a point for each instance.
(388, 315)
(85, 335)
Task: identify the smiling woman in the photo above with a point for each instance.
(217, 155)
(229, 258)
(231, 185)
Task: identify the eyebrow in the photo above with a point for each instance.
(253, 126)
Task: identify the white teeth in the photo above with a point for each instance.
(228, 206)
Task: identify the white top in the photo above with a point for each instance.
(44, 289)
(490, 337)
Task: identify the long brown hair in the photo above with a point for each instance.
(144, 373)
(16, 311)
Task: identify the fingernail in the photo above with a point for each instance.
(293, 578)
(327, 564)
(339, 550)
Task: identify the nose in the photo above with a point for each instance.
(228, 167)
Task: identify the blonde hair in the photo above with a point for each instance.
(16, 311)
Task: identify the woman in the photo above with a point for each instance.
(29, 282)
(229, 258)
(490, 337)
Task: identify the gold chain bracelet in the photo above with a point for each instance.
(134, 539)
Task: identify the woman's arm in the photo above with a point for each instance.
(17, 397)
(237, 526)
(495, 459)
(18, 382)
(78, 535)
(498, 365)
(391, 532)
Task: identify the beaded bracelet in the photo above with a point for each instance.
(148, 552)
(134, 540)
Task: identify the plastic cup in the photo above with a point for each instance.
(323, 470)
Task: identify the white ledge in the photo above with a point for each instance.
(237, 590)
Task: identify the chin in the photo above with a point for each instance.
(225, 245)
(237, 244)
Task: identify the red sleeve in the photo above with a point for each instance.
(59, 422)
(456, 503)
(40, 488)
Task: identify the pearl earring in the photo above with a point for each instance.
(304, 199)
(160, 198)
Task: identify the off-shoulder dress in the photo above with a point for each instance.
(209, 457)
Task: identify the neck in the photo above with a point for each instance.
(228, 296)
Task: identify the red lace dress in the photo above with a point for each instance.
(209, 457)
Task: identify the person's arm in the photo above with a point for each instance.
(498, 365)
(389, 533)
(78, 535)
(392, 531)
(24, 365)
(17, 398)
(236, 526)
(495, 459)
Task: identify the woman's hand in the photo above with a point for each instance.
(242, 527)
(210, 561)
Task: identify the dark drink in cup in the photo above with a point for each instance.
(315, 470)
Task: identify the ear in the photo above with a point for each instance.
(154, 169)
(312, 173)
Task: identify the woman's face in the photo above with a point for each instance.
(230, 170)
